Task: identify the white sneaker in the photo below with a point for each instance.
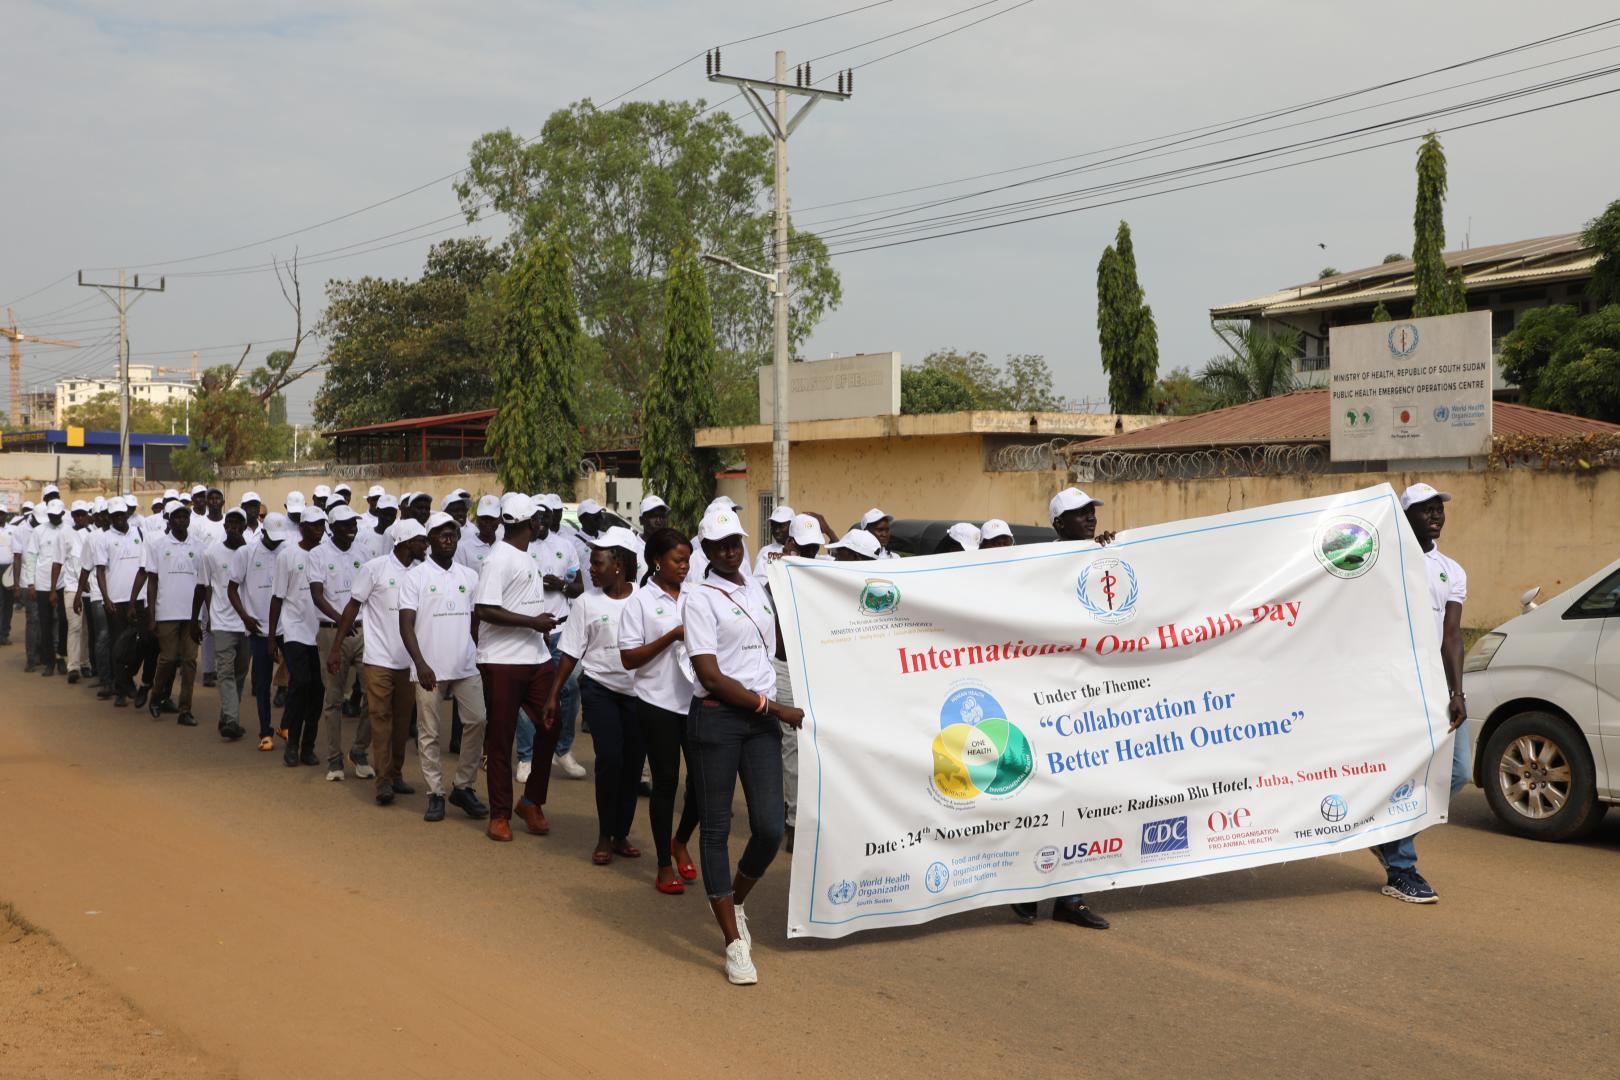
(335, 774)
(740, 968)
(571, 768)
(742, 926)
(523, 770)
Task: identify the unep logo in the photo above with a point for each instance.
(977, 751)
(1403, 340)
(1404, 791)
(1334, 808)
(1108, 590)
(1346, 546)
(879, 597)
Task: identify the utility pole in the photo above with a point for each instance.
(17, 338)
(123, 304)
(780, 126)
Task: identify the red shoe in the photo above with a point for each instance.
(532, 817)
(625, 849)
(687, 871)
(672, 887)
(499, 829)
(601, 858)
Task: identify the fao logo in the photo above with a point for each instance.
(1334, 808)
(1108, 590)
(936, 877)
(1160, 837)
(841, 893)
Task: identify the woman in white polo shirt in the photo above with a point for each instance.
(734, 728)
(650, 646)
(590, 641)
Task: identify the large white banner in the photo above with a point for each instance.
(999, 726)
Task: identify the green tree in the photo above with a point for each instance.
(1380, 313)
(1602, 235)
(1583, 376)
(100, 413)
(1126, 331)
(627, 187)
(1327, 272)
(1394, 257)
(411, 348)
(1180, 394)
(681, 397)
(1529, 346)
(1258, 363)
(534, 435)
(930, 390)
(1027, 381)
(1438, 292)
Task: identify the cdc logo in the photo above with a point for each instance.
(1159, 837)
(1334, 808)
(1046, 859)
(841, 893)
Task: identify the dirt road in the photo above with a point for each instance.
(289, 927)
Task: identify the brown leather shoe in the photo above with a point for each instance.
(533, 818)
(499, 829)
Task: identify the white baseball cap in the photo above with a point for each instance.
(462, 493)
(994, 528)
(312, 515)
(376, 491)
(116, 505)
(651, 503)
(322, 491)
(1421, 493)
(805, 531)
(78, 504)
(387, 502)
(873, 516)
(49, 490)
(345, 488)
(451, 499)
(172, 505)
(859, 541)
(100, 504)
(277, 527)
(615, 537)
(295, 500)
(516, 507)
(252, 496)
(200, 489)
(1070, 499)
(551, 501)
(405, 529)
(721, 524)
(340, 513)
(55, 506)
(438, 520)
(238, 511)
(782, 513)
(721, 502)
(489, 506)
(965, 534)
(405, 499)
(168, 493)
(589, 506)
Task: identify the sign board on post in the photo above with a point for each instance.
(1414, 389)
(838, 389)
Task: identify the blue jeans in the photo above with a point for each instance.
(1402, 854)
(724, 744)
(567, 706)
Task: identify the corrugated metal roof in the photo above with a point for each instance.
(1484, 267)
(417, 422)
(1304, 417)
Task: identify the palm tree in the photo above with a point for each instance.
(1259, 363)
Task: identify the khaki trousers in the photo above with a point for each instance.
(468, 694)
(389, 699)
(337, 689)
(176, 651)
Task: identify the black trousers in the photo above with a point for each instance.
(662, 733)
(126, 648)
(306, 693)
(8, 597)
(52, 628)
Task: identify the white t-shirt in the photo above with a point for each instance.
(370, 544)
(648, 615)
(76, 546)
(300, 621)
(49, 544)
(555, 555)
(1447, 583)
(206, 530)
(377, 587)
(591, 636)
(736, 624)
(178, 566)
(94, 541)
(471, 551)
(511, 581)
(255, 579)
(123, 554)
(335, 570)
(443, 602)
(220, 568)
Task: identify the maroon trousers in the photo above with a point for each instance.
(507, 688)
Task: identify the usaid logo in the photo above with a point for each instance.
(1159, 837)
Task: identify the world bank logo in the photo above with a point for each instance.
(978, 751)
(1108, 590)
(841, 893)
(1334, 808)
(879, 597)
(1346, 546)
(1403, 340)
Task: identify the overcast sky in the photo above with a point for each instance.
(141, 139)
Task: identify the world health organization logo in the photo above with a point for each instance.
(1346, 546)
(1108, 590)
(841, 893)
(879, 597)
(1334, 808)
(1403, 340)
(977, 751)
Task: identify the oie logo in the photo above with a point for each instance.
(1346, 546)
(1108, 590)
(978, 752)
(841, 893)
(879, 597)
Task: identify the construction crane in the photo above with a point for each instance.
(17, 338)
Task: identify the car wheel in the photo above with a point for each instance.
(1538, 778)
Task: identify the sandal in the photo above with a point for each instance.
(601, 858)
(672, 887)
(626, 849)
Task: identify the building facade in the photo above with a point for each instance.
(143, 387)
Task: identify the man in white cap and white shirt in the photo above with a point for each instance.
(48, 547)
(333, 567)
(250, 591)
(8, 591)
(438, 625)
(373, 539)
(876, 522)
(321, 496)
(514, 663)
(374, 594)
(175, 591)
(1425, 510)
(75, 598)
(119, 557)
(857, 545)
(294, 636)
(559, 567)
(21, 529)
(1074, 518)
(781, 521)
(343, 493)
(368, 520)
(995, 533)
(221, 566)
(481, 534)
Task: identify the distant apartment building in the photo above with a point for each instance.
(1504, 279)
(143, 387)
